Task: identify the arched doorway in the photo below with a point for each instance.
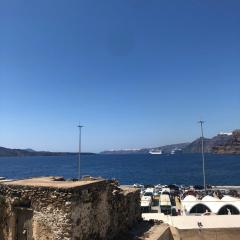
(228, 209)
(199, 208)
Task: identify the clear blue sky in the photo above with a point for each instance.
(136, 73)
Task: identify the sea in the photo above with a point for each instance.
(129, 169)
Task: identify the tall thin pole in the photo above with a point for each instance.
(203, 156)
(79, 150)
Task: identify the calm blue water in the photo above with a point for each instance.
(129, 169)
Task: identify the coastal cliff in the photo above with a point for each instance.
(209, 144)
(232, 146)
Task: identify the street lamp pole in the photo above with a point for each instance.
(79, 150)
(203, 156)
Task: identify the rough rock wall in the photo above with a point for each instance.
(4, 216)
(90, 212)
(104, 211)
(125, 209)
(99, 210)
(51, 214)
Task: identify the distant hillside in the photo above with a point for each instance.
(209, 144)
(29, 150)
(126, 151)
(222, 143)
(165, 149)
(7, 152)
(232, 146)
(169, 148)
(196, 146)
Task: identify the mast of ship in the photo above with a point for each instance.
(203, 156)
(79, 150)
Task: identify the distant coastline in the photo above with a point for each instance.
(8, 152)
(222, 143)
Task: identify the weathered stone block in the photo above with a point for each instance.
(54, 210)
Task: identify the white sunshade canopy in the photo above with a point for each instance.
(150, 190)
(165, 200)
(146, 201)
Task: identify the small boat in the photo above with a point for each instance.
(176, 151)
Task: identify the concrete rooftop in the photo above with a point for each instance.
(51, 182)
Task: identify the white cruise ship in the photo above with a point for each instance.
(156, 151)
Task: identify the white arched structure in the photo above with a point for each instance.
(188, 202)
(211, 203)
(228, 209)
(227, 200)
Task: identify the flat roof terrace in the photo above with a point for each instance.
(53, 182)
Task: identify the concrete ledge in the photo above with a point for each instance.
(191, 222)
(212, 221)
(158, 232)
(210, 234)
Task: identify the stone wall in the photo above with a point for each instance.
(100, 210)
(50, 212)
(104, 211)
